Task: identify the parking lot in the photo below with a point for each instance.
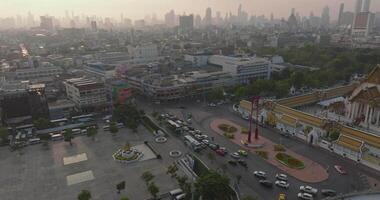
(62, 171)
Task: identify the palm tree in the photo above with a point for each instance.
(113, 128)
(84, 195)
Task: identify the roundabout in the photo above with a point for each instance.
(175, 153)
(160, 139)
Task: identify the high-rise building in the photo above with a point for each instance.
(208, 17)
(186, 22)
(46, 23)
(94, 27)
(340, 16)
(325, 17)
(170, 19)
(358, 6)
(366, 5)
(363, 24)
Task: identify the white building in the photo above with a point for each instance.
(38, 72)
(88, 95)
(104, 71)
(243, 70)
(197, 59)
(144, 53)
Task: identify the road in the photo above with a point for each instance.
(354, 181)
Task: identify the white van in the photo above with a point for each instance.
(176, 192)
(76, 131)
(34, 141)
(106, 128)
(57, 137)
(181, 196)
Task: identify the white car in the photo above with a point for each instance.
(305, 196)
(282, 177)
(309, 189)
(206, 142)
(282, 184)
(260, 174)
(235, 155)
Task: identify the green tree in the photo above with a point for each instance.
(213, 186)
(153, 189)
(147, 176)
(113, 128)
(124, 198)
(4, 134)
(68, 136)
(84, 195)
(91, 132)
(42, 123)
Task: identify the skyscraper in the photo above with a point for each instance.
(325, 17)
(340, 16)
(366, 5)
(46, 23)
(186, 22)
(358, 6)
(170, 19)
(208, 17)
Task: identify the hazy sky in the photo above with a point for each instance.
(139, 8)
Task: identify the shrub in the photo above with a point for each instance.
(227, 128)
(279, 147)
(229, 135)
(244, 131)
(262, 154)
(289, 161)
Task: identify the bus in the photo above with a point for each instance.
(83, 118)
(57, 137)
(174, 126)
(193, 143)
(59, 122)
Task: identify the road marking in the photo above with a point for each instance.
(74, 159)
(79, 177)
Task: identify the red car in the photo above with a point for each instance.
(340, 169)
(221, 152)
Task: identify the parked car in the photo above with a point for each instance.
(266, 183)
(282, 177)
(221, 152)
(243, 153)
(282, 184)
(235, 155)
(206, 142)
(309, 189)
(242, 163)
(340, 169)
(305, 196)
(232, 162)
(328, 192)
(213, 146)
(260, 174)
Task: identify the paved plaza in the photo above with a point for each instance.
(62, 171)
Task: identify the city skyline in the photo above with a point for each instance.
(142, 8)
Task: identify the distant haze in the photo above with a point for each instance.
(140, 8)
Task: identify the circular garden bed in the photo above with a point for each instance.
(227, 128)
(289, 161)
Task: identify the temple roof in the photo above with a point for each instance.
(374, 76)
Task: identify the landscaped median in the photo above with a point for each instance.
(292, 163)
(289, 161)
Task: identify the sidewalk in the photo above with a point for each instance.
(312, 173)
